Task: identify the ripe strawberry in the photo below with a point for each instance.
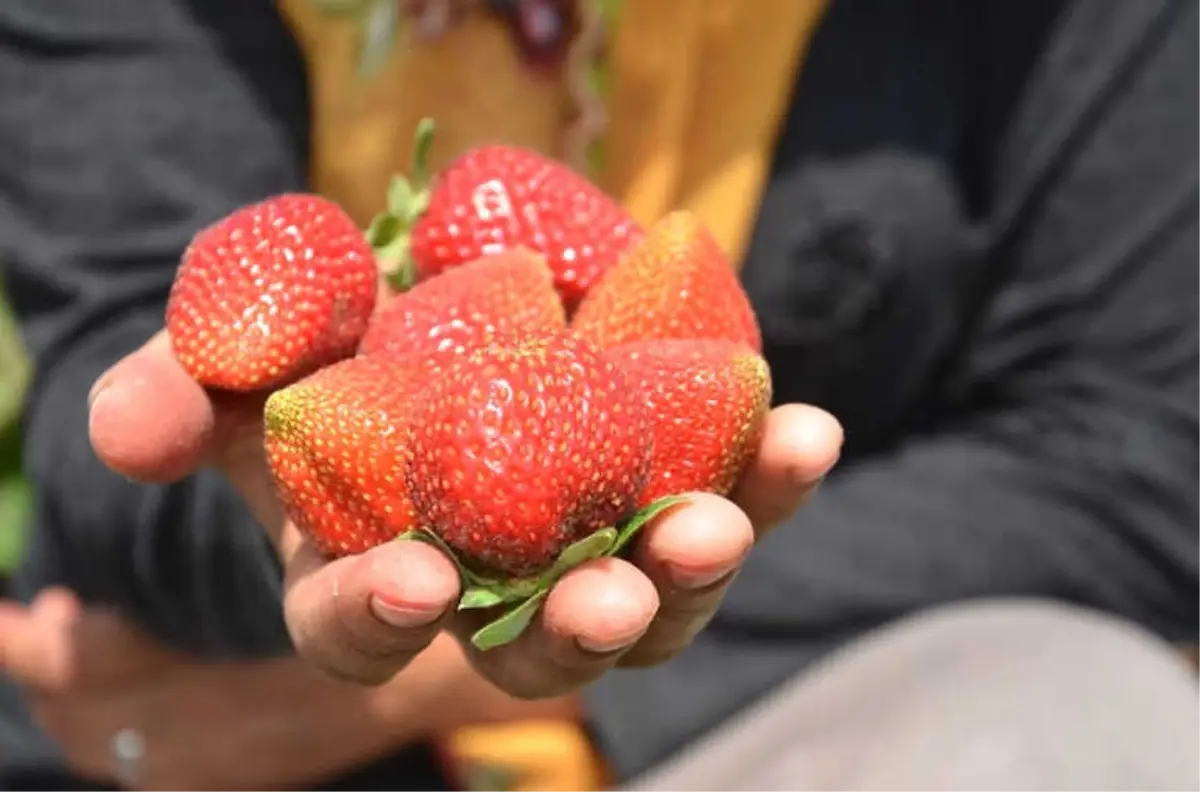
(270, 293)
(337, 446)
(507, 295)
(677, 283)
(496, 197)
(523, 449)
(707, 400)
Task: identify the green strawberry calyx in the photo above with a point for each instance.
(407, 199)
(524, 596)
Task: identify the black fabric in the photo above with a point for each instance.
(125, 126)
(1006, 322)
(978, 248)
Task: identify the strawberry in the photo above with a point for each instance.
(707, 400)
(337, 447)
(495, 197)
(676, 284)
(523, 449)
(270, 293)
(507, 295)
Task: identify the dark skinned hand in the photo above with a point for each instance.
(365, 617)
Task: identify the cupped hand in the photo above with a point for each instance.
(365, 617)
(89, 674)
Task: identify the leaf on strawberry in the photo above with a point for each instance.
(390, 231)
(604, 543)
(639, 520)
(508, 627)
(480, 597)
(470, 579)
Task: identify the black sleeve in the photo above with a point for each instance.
(1071, 470)
(125, 126)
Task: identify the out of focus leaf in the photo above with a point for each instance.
(14, 492)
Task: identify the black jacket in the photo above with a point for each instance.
(978, 248)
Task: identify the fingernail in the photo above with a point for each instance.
(612, 645)
(402, 615)
(97, 388)
(699, 578)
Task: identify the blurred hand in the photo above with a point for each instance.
(271, 724)
(365, 617)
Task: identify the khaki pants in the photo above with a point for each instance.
(1006, 695)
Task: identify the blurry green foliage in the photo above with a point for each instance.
(14, 493)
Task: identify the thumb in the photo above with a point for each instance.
(148, 419)
(151, 422)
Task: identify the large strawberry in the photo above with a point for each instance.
(528, 458)
(337, 446)
(520, 450)
(507, 295)
(707, 400)
(677, 283)
(270, 293)
(496, 197)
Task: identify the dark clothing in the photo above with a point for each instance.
(978, 249)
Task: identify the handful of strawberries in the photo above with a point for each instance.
(546, 377)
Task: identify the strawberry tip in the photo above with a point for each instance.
(278, 412)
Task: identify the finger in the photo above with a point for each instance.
(14, 619)
(364, 617)
(149, 420)
(32, 654)
(800, 445)
(690, 553)
(593, 614)
(64, 645)
(55, 605)
(32, 649)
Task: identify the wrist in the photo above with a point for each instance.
(337, 720)
(461, 698)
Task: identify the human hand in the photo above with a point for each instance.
(365, 617)
(88, 674)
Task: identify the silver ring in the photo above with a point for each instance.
(126, 748)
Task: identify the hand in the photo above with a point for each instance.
(87, 674)
(365, 617)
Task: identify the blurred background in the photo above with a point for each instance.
(14, 494)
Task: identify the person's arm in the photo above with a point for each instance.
(1071, 471)
(126, 126)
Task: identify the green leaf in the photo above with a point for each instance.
(379, 27)
(16, 507)
(498, 592)
(585, 549)
(407, 199)
(480, 597)
(400, 198)
(508, 627)
(16, 502)
(341, 6)
(422, 143)
(639, 520)
(385, 228)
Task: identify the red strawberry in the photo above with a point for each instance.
(507, 295)
(677, 283)
(270, 293)
(494, 198)
(337, 446)
(707, 400)
(521, 450)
